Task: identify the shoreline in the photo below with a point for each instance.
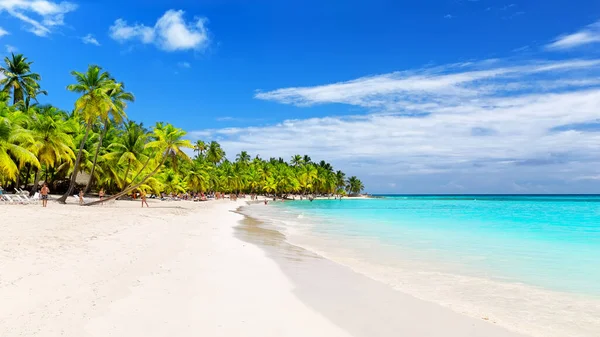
(359, 304)
(514, 306)
(174, 269)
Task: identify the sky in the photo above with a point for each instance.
(444, 96)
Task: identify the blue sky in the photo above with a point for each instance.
(414, 97)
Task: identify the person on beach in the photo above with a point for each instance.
(44, 192)
(143, 197)
(101, 195)
(80, 197)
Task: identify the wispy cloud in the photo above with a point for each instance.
(588, 35)
(48, 14)
(170, 33)
(3, 32)
(11, 49)
(90, 39)
(185, 65)
(475, 124)
(448, 16)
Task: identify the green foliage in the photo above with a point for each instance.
(43, 143)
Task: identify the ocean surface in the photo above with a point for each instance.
(529, 263)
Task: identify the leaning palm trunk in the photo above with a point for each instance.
(35, 182)
(130, 188)
(63, 199)
(89, 183)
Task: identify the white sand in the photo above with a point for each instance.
(175, 269)
(105, 271)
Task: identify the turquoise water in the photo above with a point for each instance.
(528, 263)
(551, 242)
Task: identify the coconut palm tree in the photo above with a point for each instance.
(200, 147)
(119, 97)
(13, 140)
(214, 153)
(128, 150)
(169, 144)
(52, 140)
(95, 101)
(243, 158)
(340, 183)
(19, 79)
(354, 185)
(297, 160)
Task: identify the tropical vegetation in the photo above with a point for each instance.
(42, 143)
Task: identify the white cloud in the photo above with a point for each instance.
(90, 39)
(170, 33)
(185, 65)
(49, 14)
(483, 124)
(11, 49)
(448, 16)
(588, 35)
(3, 32)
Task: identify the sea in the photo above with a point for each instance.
(530, 263)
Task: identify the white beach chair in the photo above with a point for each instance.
(28, 199)
(21, 192)
(10, 200)
(22, 199)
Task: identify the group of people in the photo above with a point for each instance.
(45, 191)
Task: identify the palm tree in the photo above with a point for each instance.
(215, 153)
(119, 97)
(19, 79)
(340, 183)
(297, 160)
(200, 147)
(128, 149)
(52, 142)
(198, 176)
(354, 185)
(243, 158)
(12, 150)
(169, 143)
(95, 87)
(306, 159)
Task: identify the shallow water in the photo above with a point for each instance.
(528, 262)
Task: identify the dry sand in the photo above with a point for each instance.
(177, 269)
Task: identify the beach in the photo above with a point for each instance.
(189, 269)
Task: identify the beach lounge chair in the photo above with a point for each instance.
(22, 199)
(11, 200)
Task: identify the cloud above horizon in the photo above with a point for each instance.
(40, 15)
(588, 35)
(90, 39)
(3, 32)
(481, 124)
(170, 33)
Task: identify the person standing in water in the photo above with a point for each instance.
(44, 192)
(143, 197)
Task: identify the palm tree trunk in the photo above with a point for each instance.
(143, 168)
(35, 182)
(127, 171)
(17, 183)
(130, 188)
(27, 175)
(89, 183)
(63, 199)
